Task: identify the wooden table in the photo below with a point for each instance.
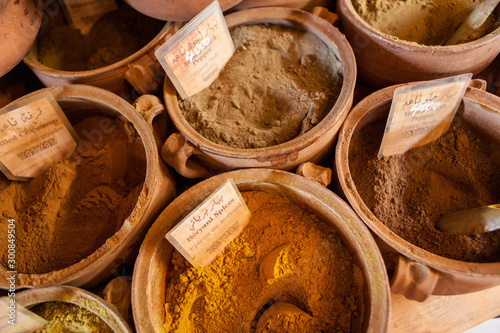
(447, 314)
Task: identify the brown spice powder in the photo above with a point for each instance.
(65, 214)
(314, 271)
(409, 192)
(279, 84)
(113, 37)
(427, 22)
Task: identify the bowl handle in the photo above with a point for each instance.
(141, 75)
(146, 74)
(326, 15)
(316, 173)
(478, 84)
(150, 106)
(177, 150)
(412, 279)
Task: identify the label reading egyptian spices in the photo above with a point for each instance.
(33, 134)
(195, 55)
(422, 112)
(204, 233)
(83, 14)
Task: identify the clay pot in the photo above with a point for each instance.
(176, 10)
(383, 60)
(152, 269)
(140, 70)
(299, 4)
(311, 146)
(31, 297)
(158, 188)
(418, 273)
(19, 24)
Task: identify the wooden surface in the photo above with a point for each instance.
(444, 313)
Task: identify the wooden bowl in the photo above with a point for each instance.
(209, 157)
(158, 189)
(417, 273)
(140, 70)
(152, 269)
(382, 60)
(19, 24)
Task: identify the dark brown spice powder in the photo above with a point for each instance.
(409, 192)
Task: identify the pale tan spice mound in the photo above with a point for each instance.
(68, 317)
(279, 84)
(427, 22)
(409, 192)
(114, 37)
(65, 214)
(313, 271)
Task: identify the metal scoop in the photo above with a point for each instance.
(474, 21)
(471, 221)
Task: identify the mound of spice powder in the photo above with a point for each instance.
(115, 36)
(66, 213)
(409, 192)
(427, 22)
(68, 317)
(279, 84)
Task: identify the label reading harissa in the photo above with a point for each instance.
(204, 233)
(194, 56)
(422, 112)
(34, 133)
(83, 14)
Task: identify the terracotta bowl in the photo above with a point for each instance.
(383, 60)
(158, 189)
(19, 24)
(140, 70)
(176, 10)
(152, 269)
(299, 4)
(209, 157)
(417, 273)
(32, 297)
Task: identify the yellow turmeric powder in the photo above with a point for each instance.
(285, 254)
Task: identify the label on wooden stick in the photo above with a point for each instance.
(34, 134)
(83, 14)
(422, 112)
(204, 233)
(195, 55)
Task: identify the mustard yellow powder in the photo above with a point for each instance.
(286, 254)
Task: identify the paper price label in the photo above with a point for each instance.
(204, 233)
(34, 134)
(422, 112)
(195, 55)
(83, 14)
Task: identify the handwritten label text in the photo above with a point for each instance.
(33, 135)
(421, 112)
(195, 55)
(204, 233)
